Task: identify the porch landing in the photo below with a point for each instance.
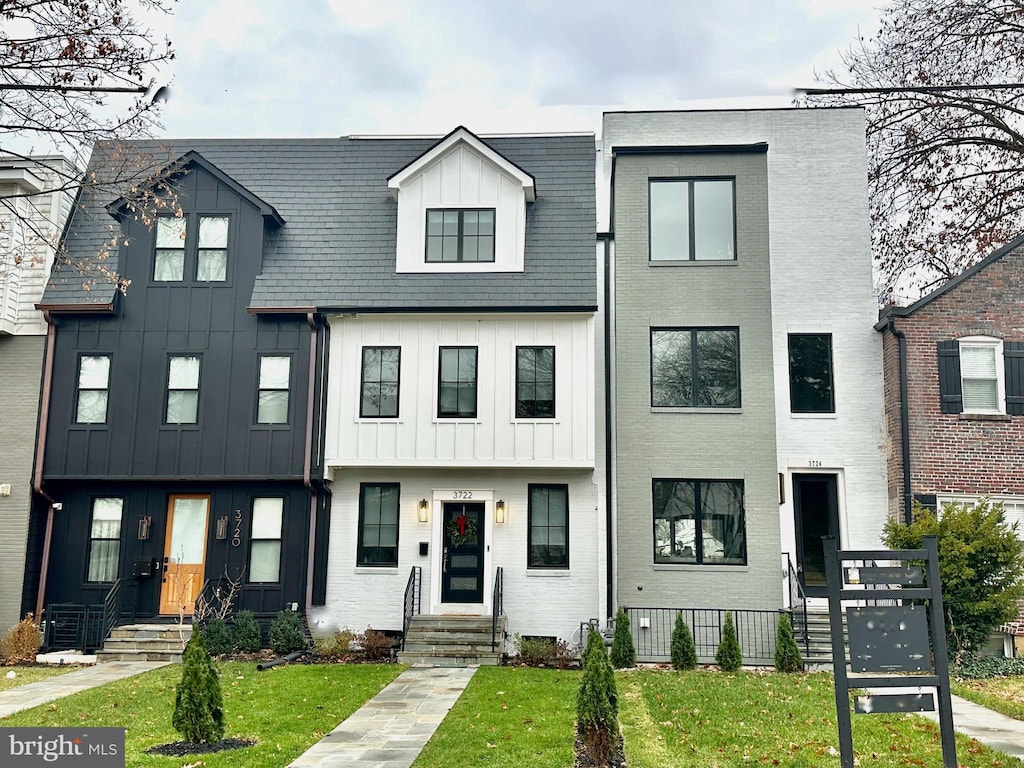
(145, 642)
(453, 641)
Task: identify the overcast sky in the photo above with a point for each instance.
(341, 67)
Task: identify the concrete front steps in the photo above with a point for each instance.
(145, 642)
(452, 641)
(819, 634)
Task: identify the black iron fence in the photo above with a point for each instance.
(76, 626)
(755, 630)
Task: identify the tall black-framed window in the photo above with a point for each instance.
(810, 373)
(274, 389)
(104, 539)
(700, 522)
(169, 254)
(265, 540)
(378, 524)
(695, 367)
(456, 382)
(535, 382)
(93, 389)
(379, 382)
(693, 219)
(212, 249)
(460, 234)
(182, 389)
(548, 528)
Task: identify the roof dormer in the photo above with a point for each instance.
(461, 209)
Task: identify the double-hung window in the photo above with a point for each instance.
(981, 375)
(535, 382)
(456, 387)
(460, 234)
(810, 373)
(692, 219)
(379, 382)
(177, 244)
(378, 524)
(548, 532)
(265, 541)
(212, 250)
(93, 389)
(700, 522)
(169, 259)
(183, 389)
(272, 397)
(104, 539)
(695, 367)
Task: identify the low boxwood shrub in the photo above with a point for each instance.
(217, 637)
(544, 652)
(247, 632)
(286, 633)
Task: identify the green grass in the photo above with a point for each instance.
(1003, 694)
(508, 716)
(714, 720)
(285, 710)
(26, 675)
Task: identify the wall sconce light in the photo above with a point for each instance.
(424, 510)
(499, 511)
(144, 523)
(222, 528)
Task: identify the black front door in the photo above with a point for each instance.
(816, 502)
(462, 564)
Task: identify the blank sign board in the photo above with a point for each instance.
(891, 638)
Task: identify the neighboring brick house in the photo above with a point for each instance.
(958, 434)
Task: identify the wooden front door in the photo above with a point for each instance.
(462, 566)
(184, 554)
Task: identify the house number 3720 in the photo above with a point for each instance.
(463, 494)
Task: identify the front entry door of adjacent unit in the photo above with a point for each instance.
(816, 503)
(462, 555)
(184, 554)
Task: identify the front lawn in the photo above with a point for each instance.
(33, 674)
(285, 710)
(1003, 694)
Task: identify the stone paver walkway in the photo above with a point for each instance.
(993, 729)
(391, 729)
(32, 695)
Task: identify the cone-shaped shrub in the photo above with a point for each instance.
(684, 652)
(787, 654)
(597, 723)
(247, 632)
(728, 655)
(623, 651)
(198, 706)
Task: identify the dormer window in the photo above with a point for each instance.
(175, 244)
(169, 261)
(460, 234)
(212, 253)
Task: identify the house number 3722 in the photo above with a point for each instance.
(463, 494)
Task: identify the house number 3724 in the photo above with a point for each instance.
(814, 463)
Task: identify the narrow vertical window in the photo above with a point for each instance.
(104, 540)
(457, 383)
(379, 384)
(212, 252)
(93, 386)
(265, 541)
(535, 382)
(980, 375)
(810, 373)
(548, 512)
(183, 390)
(378, 524)
(272, 399)
(169, 259)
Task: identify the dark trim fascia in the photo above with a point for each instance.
(695, 149)
(490, 309)
(735, 109)
(194, 158)
(605, 236)
(609, 415)
(90, 309)
(195, 480)
(948, 286)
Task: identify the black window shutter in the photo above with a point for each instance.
(1013, 359)
(949, 377)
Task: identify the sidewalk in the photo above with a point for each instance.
(993, 729)
(391, 729)
(32, 695)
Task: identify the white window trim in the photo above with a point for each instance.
(987, 342)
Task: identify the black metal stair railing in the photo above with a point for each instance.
(497, 606)
(411, 605)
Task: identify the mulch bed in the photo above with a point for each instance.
(583, 759)
(182, 748)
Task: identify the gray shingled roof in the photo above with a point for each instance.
(336, 250)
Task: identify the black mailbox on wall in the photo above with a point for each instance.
(142, 569)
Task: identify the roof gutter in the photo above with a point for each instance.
(37, 478)
(901, 341)
(609, 521)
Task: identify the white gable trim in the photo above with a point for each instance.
(464, 136)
